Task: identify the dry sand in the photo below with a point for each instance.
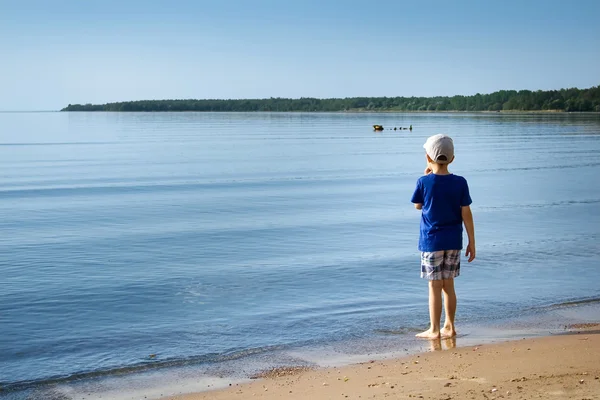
(556, 367)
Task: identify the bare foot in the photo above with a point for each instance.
(447, 332)
(428, 334)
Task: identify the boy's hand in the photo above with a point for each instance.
(470, 252)
(427, 170)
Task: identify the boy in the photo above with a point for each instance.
(445, 203)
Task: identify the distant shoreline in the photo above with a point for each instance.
(345, 112)
(374, 111)
(563, 100)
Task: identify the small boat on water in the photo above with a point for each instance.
(380, 128)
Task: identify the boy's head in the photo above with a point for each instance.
(440, 149)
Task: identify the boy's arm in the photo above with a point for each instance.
(418, 205)
(417, 197)
(467, 217)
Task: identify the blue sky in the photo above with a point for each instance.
(58, 52)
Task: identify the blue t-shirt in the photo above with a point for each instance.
(442, 197)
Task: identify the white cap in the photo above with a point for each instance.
(440, 148)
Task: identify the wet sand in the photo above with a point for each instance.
(555, 367)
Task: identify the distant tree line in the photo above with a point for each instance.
(504, 100)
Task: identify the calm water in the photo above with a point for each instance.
(202, 238)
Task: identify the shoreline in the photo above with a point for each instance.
(560, 366)
(192, 381)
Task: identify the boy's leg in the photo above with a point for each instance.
(449, 307)
(431, 269)
(435, 310)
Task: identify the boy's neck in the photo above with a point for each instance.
(439, 169)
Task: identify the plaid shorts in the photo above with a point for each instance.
(438, 265)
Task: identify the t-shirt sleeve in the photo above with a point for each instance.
(417, 196)
(465, 199)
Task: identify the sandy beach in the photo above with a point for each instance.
(554, 367)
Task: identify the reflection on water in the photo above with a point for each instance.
(442, 344)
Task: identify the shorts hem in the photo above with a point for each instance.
(439, 278)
